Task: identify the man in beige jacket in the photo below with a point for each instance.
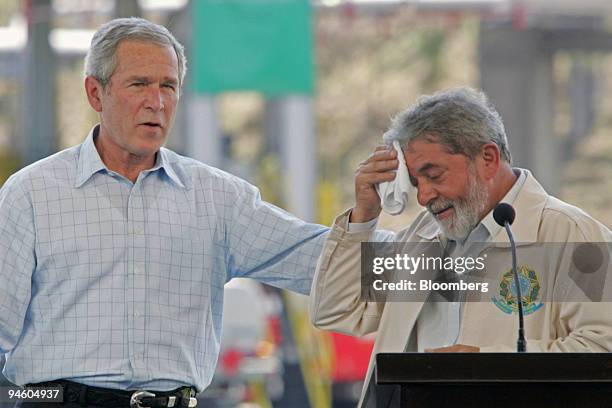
(458, 159)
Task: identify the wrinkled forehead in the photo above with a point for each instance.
(130, 47)
(146, 56)
(425, 147)
(424, 155)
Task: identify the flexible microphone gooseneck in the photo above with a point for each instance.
(504, 215)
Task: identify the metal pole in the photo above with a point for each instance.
(299, 154)
(204, 134)
(39, 98)
(127, 8)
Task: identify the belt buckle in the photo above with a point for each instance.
(187, 399)
(137, 396)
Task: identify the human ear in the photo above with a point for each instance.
(489, 160)
(94, 90)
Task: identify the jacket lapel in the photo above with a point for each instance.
(529, 205)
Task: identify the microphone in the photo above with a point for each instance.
(504, 214)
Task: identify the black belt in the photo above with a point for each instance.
(106, 397)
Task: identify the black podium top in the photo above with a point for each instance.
(419, 368)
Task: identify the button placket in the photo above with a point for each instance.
(137, 269)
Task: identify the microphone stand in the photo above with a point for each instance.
(521, 344)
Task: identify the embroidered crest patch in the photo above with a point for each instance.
(530, 290)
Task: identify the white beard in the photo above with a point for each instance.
(466, 210)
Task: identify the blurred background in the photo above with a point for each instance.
(292, 94)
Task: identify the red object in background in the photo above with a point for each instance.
(230, 362)
(276, 332)
(352, 357)
(519, 16)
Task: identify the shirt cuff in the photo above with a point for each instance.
(362, 226)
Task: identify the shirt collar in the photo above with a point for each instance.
(431, 230)
(90, 163)
(488, 221)
(163, 161)
(529, 204)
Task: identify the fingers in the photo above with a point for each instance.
(383, 152)
(375, 177)
(384, 147)
(379, 167)
(381, 160)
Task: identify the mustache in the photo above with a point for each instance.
(440, 204)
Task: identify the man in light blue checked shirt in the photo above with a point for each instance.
(114, 253)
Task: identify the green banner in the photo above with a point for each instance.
(257, 45)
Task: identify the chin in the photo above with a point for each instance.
(148, 135)
(453, 231)
(149, 146)
(145, 151)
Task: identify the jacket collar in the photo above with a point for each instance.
(529, 205)
(431, 231)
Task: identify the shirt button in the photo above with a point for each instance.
(136, 314)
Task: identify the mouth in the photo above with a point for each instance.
(444, 212)
(151, 125)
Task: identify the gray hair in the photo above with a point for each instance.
(461, 119)
(100, 61)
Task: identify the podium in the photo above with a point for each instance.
(458, 380)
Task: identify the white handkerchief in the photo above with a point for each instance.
(394, 194)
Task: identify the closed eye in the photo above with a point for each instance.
(434, 175)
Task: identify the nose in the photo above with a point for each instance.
(154, 99)
(425, 193)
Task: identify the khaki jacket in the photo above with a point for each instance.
(569, 326)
